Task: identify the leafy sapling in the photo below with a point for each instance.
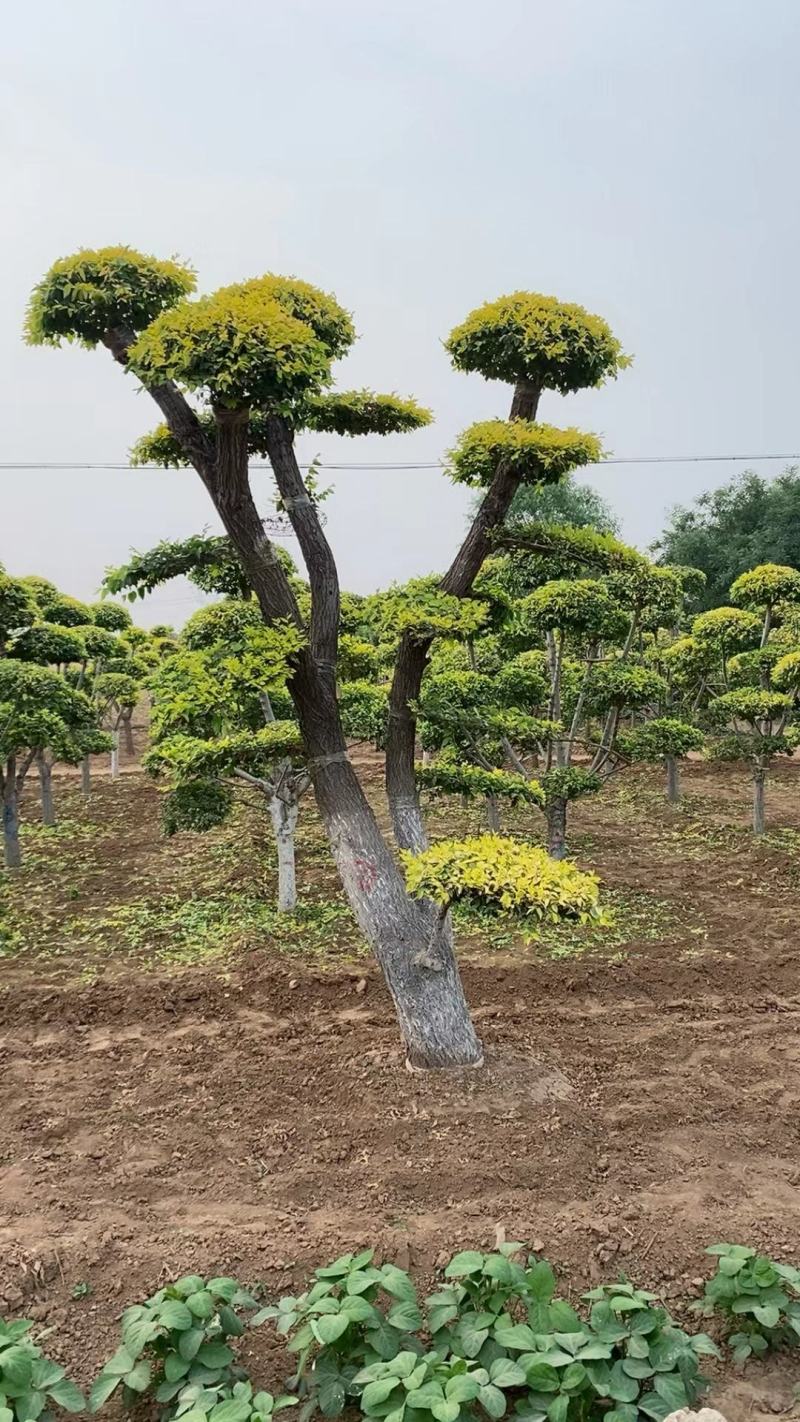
(31, 1386)
(353, 1315)
(178, 1339)
(757, 1294)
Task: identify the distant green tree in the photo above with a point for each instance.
(569, 502)
(747, 522)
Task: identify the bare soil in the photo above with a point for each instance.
(250, 1113)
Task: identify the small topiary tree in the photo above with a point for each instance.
(665, 739)
(753, 723)
(40, 716)
(115, 695)
(215, 729)
(763, 589)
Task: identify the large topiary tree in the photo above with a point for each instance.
(259, 354)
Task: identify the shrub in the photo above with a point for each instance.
(506, 873)
(196, 805)
(757, 1293)
(175, 1340)
(29, 1382)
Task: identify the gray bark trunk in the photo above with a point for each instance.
(673, 779)
(11, 849)
(86, 777)
(759, 778)
(46, 790)
(557, 828)
(493, 814)
(283, 814)
(127, 732)
(115, 754)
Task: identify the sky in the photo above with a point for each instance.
(416, 159)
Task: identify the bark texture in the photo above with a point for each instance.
(11, 850)
(759, 782)
(557, 828)
(86, 777)
(45, 771)
(673, 779)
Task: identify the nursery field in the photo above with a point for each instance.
(189, 1084)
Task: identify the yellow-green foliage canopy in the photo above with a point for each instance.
(534, 453)
(786, 672)
(727, 628)
(504, 873)
(581, 606)
(239, 348)
(85, 295)
(764, 586)
(527, 336)
(329, 321)
(362, 412)
(566, 548)
(343, 412)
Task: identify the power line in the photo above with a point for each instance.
(436, 464)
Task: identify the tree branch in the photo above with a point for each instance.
(412, 653)
(314, 546)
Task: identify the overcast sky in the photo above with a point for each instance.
(416, 157)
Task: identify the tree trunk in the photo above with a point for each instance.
(493, 814)
(46, 789)
(11, 850)
(115, 754)
(423, 980)
(412, 654)
(673, 779)
(557, 828)
(283, 814)
(127, 732)
(86, 777)
(759, 778)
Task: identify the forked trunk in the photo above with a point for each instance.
(673, 779)
(283, 813)
(86, 777)
(759, 779)
(11, 849)
(420, 971)
(45, 770)
(557, 828)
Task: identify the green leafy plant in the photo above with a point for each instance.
(758, 1294)
(444, 1389)
(177, 1338)
(29, 1382)
(337, 1328)
(654, 1365)
(197, 1402)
